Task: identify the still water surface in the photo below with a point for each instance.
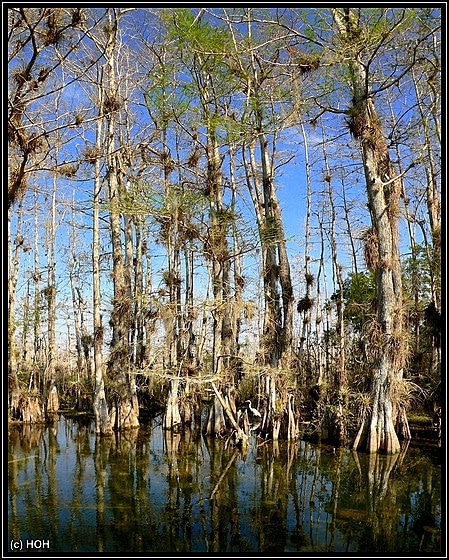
(152, 491)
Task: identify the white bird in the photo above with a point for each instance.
(253, 411)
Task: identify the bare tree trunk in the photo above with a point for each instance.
(338, 422)
(138, 327)
(346, 210)
(76, 296)
(27, 314)
(35, 374)
(172, 278)
(306, 303)
(102, 423)
(277, 334)
(13, 272)
(383, 191)
(172, 416)
(321, 357)
(124, 413)
(50, 389)
(278, 292)
(238, 280)
(148, 315)
(188, 350)
(220, 256)
(432, 191)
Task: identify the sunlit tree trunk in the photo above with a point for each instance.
(339, 399)
(124, 412)
(172, 278)
(36, 372)
(321, 352)
(349, 227)
(277, 336)
(433, 195)
(237, 276)
(172, 416)
(100, 406)
(306, 302)
(74, 288)
(379, 435)
(219, 254)
(13, 273)
(278, 293)
(220, 266)
(50, 391)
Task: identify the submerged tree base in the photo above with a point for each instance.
(374, 438)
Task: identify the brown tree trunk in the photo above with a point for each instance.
(125, 411)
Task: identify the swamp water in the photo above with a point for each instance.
(149, 491)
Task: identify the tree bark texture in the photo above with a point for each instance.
(383, 192)
(100, 406)
(125, 411)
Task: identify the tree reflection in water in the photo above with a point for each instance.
(147, 490)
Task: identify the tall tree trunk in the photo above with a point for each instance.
(36, 373)
(172, 313)
(13, 273)
(237, 277)
(321, 352)
(305, 304)
(349, 227)
(383, 191)
(138, 328)
(339, 399)
(125, 411)
(102, 422)
(278, 292)
(50, 389)
(277, 333)
(219, 254)
(432, 193)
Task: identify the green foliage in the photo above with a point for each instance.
(416, 278)
(417, 285)
(164, 100)
(184, 26)
(359, 293)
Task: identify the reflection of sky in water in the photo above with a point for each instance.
(89, 494)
